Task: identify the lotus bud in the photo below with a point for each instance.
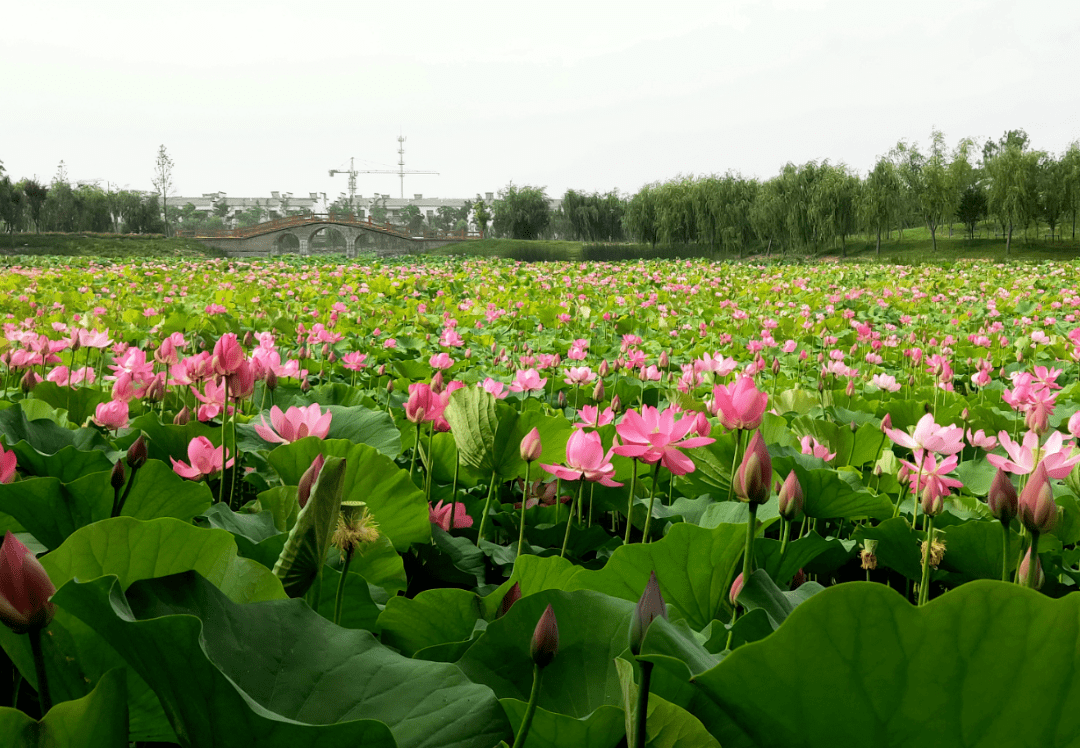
(302, 353)
(531, 446)
(1036, 506)
(25, 588)
(325, 350)
(1037, 418)
(754, 476)
(886, 422)
(932, 501)
(305, 385)
(561, 400)
(1025, 569)
(512, 596)
(850, 389)
(468, 353)
(136, 454)
(381, 371)
(1002, 497)
(598, 391)
(545, 640)
(181, 418)
(820, 385)
(29, 381)
(964, 415)
(271, 380)
(664, 360)
(437, 383)
(798, 580)
(616, 404)
(307, 480)
(249, 338)
(775, 366)
(791, 497)
(117, 478)
(389, 386)
(736, 588)
(155, 391)
(650, 607)
(332, 358)
(604, 369)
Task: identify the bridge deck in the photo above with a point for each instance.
(342, 219)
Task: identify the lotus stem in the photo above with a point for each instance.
(530, 711)
(570, 519)
(39, 668)
(924, 583)
(1032, 580)
(1004, 551)
(341, 586)
(630, 503)
(224, 420)
(524, 501)
(652, 498)
(487, 505)
(642, 704)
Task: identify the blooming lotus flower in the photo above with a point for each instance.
(440, 515)
(294, 424)
(495, 387)
(811, 446)
(112, 415)
(579, 375)
(205, 460)
(585, 458)
(885, 382)
(593, 418)
(928, 477)
(654, 436)
(227, 354)
(981, 440)
(25, 588)
(1021, 460)
(527, 380)
(928, 436)
(740, 407)
(423, 404)
(353, 361)
(8, 463)
(441, 361)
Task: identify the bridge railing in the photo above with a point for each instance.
(303, 219)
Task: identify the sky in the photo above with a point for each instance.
(249, 98)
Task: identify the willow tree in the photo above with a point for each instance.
(879, 201)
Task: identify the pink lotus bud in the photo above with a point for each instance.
(305, 385)
(850, 389)
(531, 446)
(325, 350)
(798, 580)
(25, 588)
(155, 391)
(249, 338)
(136, 454)
(1074, 424)
(1025, 569)
(390, 386)
(437, 383)
(307, 480)
(775, 366)
(753, 478)
(512, 596)
(227, 354)
(381, 371)
(664, 360)
(29, 381)
(560, 401)
(271, 380)
(736, 588)
(545, 640)
(117, 478)
(182, 417)
(1002, 497)
(616, 404)
(241, 382)
(933, 501)
(791, 497)
(1037, 509)
(886, 422)
(1037, 418)
(598, 391)
(604, 369)
(650, 607)
(468, 355)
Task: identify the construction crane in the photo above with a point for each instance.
(401, 171)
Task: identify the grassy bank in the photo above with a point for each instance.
(102, 245)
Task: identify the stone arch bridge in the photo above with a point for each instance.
(319, 233)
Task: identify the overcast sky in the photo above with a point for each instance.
(253, 97)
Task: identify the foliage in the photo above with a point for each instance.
(521, 212)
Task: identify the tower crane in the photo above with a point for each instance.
(401, 171)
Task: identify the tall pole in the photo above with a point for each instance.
(401, 163)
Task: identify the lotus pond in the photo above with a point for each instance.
(472, 503)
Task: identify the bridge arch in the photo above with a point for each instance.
(285, 243)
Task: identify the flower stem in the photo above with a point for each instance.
(570, 519)
(642, 704)
(39, 668)
(524, 501)
(630, 504)
(734, 462)
(341, 587)
(487, 505)
(530, 711)
(1004, 551)
(748, 554)
(924, 583)
(119, 507)
(224, 420)
(652, 498)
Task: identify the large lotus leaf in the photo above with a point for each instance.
(799, 553)
(835, 493)
(437, 616)
(278, 674)
(539, 573)
(760, 591)
(694, 566)
(44, 435)
(51, 510)
(713, 463)
(601, 729)
(473, 422)
(356, 424)
(988, 664)
(66, 465)
(897, 546)
(838, 438)
(973, 550)
(304, 553)
(165, 440)
(358, 609)
(80, 403)
(131, 550)
(395, 502)
(97, 720)
(593, 630)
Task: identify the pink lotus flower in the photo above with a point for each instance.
(8, 463)
(424, 404)
(294, 424)
(585, 458)
(654, 436)
(527, 380)
(440, 515)
(593, 418)
(112, 415)
(205, 460)
(942, 440)
(981, 440)
(885, 382)
(579, 375)
(25, 588)
(495, 387)
(441, 361)
(929, 481)
(354, 361)
(1022, 457)
(227, 354)
(94, 339)
(811, 446)
(740, 407)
